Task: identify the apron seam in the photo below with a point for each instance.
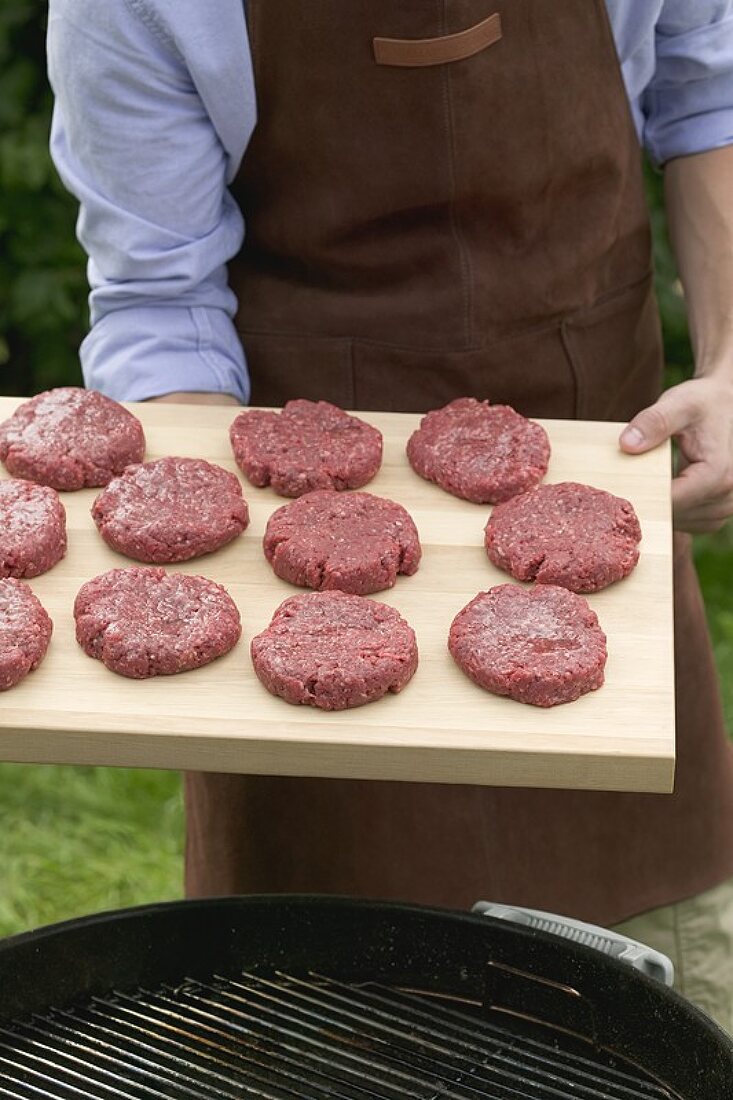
(352, 370)
(556, 324)
(365, 341)
(608, 297)
(576, 373)
(464, 258)
(587, 317)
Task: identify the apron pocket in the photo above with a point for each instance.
(530, 371)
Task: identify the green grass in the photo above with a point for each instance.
(78, 840)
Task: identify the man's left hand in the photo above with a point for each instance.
(699, 415)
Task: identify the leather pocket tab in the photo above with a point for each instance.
(416, 52)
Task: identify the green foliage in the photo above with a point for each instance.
(677, 349)
(43, 310)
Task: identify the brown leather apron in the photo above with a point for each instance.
(461, 215)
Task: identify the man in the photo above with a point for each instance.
(441, 198)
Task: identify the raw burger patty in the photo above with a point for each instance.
(146, 622)
(480, 452)
(309, 445)
(33, 526)
(25, 631)
(567, 534)
(355, 542)
(70, 438)
(541, 645)
(334, 650)
(171, 510)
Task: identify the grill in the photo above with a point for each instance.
(302, 997)
(291, 1037)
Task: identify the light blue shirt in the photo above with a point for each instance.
(155, 105)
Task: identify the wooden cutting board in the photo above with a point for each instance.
(441, 727)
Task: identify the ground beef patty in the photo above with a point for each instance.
(146, 622)
(540, 645)
(334, 650)
(33, 526)
(479, 452)
(309, 445)
(70, 438)
(25, 631)
(568, 534)
(171, 510)
(354, 542)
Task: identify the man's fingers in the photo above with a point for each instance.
(701, 521)
(701, 526)
(695, 484)
(670, 415)
(698, 415)
(702, 498)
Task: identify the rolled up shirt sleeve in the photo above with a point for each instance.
(688, 102)
(133, 140)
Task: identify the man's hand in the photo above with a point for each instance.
(699, 416)
(699, 413)
(196, 399)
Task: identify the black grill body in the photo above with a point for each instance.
(315, 997)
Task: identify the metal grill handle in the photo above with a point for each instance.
(650, 962)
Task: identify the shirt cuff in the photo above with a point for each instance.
(147, 351)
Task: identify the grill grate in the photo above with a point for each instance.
(288, 1037)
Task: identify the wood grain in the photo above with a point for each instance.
(441, 727)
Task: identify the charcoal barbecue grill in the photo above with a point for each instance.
(328, 997)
